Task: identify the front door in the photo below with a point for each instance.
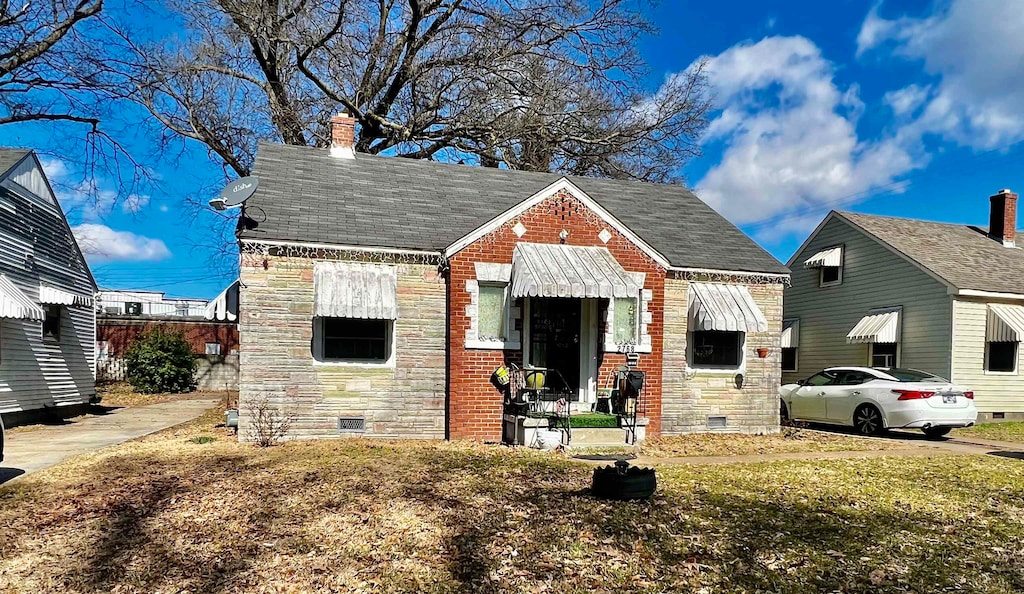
(808, 401)
(555, 341)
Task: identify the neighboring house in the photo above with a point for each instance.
(148, 303)
(380, 294)
(942, 298)
(47, 320)
(210, 327)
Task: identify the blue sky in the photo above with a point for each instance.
(906, 108)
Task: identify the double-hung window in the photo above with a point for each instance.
(492, 312)
(625, 320)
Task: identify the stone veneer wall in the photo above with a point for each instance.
(688, 401)
(475, 406)
(276, 330)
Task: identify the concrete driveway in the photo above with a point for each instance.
(29, 451)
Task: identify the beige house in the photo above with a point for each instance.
(943, 298)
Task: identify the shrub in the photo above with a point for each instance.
(161, 361)
(267, 425)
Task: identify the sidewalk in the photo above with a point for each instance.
(27, 452)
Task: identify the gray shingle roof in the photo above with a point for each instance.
(374, 201)
(9, 157)
(963, 255)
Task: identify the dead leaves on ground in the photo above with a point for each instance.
(165, 514)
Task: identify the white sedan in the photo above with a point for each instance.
(875, 399)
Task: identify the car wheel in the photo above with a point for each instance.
(934, 432)
(867, 420)
(783, 412)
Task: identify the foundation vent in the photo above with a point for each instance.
(351, 424)
(717, 422)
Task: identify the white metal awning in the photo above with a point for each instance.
(52, 296)
(790, 334)
(727, 308)
(552, 270)
(15, 304)
(829, 257)
(225, 306)
(882, 326)
(1005, 323)
(355, 290)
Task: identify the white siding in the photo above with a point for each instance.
(33, 373)
(994, 392)
(873, 277)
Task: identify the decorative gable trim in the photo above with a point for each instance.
(562, 185)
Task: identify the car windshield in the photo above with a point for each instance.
(911, 375)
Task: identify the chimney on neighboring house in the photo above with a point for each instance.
(1002, 221)
(343, 136)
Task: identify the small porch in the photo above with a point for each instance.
(576, 302)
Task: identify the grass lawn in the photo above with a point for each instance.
(169, 514)
(789, 440)
(1008, 431)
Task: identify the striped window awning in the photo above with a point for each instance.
(555, 270)
(829, 257)
(52, 296)
(880, 326)
(726, 308)
(15, 304)
(225, 306)
(790, 334)
(355, 290)
(1005, 323)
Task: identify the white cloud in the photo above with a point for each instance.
(134, 203)
(905, 101)
(103, 244)
(91, 199)
(974, 50)
(790, 135)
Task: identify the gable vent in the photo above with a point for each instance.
(351, 424)
(717, 422)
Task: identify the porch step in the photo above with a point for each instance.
(606, 437)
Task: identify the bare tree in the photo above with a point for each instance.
(37, 80)
(532, 84)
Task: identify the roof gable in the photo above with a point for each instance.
(962, 257)
(306, 196)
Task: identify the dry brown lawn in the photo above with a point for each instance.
(789, 440)
(170, 514)
(121, 395)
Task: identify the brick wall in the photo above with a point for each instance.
(120, 333)
(689, 399)
(475, 404)
(276, 329)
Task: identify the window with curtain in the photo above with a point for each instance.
(492, 312)
(625, 321)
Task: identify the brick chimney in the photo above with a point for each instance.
(343, 136)
(1002, 221)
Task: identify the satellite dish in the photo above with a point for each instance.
(236, 193)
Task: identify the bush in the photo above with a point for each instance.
(161, 361)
